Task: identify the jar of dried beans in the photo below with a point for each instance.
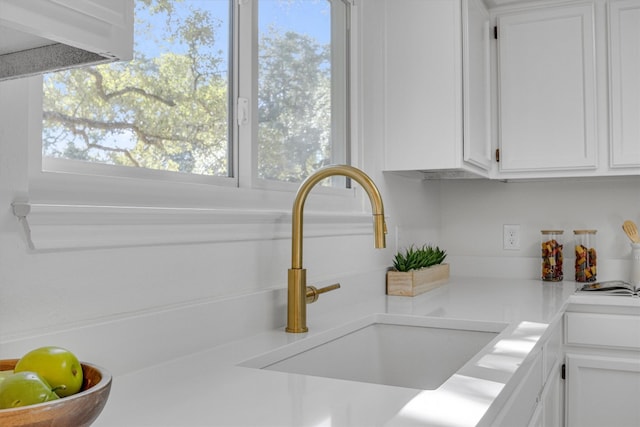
(552, 255)
(586, 255)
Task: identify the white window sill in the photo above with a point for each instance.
(54, 227)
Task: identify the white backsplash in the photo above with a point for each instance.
(473, 214)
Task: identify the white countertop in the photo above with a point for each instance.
(208, 388)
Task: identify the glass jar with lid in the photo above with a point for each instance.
(552, 255)
(586, 255)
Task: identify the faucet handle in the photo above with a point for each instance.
(313, 293)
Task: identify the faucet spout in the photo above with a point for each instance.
(297, 283)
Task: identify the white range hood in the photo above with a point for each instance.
(38, 36)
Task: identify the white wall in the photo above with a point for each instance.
(474, 212)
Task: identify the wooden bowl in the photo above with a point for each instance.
(78, 410)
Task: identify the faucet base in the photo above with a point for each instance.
(296, 331)
(297, 301)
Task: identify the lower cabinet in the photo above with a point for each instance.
(550, 409)
(602, 369)
(586, 373)
(553, 402)
(522, 404)
(538, 400)
(602, 391)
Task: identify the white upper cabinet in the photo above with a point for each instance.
(476, 94)
(43, 35)
(437, 102)
(547, 89)
(624, 51)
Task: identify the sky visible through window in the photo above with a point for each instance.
(300, 16)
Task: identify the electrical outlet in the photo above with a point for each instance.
(511, 237)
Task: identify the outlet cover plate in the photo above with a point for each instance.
(511, 237)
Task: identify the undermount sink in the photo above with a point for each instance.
(405, 351)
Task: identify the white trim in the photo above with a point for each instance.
(53, 227)
(79, 167)
(21, 210)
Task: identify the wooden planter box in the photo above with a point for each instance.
(416, 282)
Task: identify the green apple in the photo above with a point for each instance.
(5, 374)
(58, 366)
(24, 388)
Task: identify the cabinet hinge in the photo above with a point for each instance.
(563, 375)
(495, 32)
(497, 155)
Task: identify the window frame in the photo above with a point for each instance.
(61, 199)
(249, 138)
(244, 137)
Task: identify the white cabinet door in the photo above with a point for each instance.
(552, 402)
(549, 411)
(423, 101)
(602, 391)
(423, 76)
(476, 69)
(547, 110)
(624, 48)
(522, 407)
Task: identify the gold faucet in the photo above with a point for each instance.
(299, 294)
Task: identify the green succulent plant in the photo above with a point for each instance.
(416, 258)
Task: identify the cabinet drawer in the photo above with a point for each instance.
(603, 330)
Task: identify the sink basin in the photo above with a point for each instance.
(405, 351)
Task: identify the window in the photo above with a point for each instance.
(300, 61)
(169, 113)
